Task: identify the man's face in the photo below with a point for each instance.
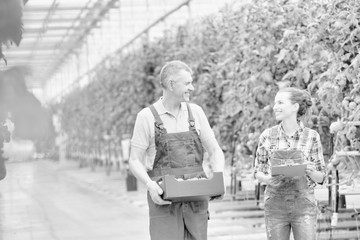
(182, 86)
(283, 107)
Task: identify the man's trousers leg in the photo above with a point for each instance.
(178, 221)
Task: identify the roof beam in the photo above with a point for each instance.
(16, 62)
(39, 29)
(30, 50)
(46, 9)
(40, 20)
(85, 26)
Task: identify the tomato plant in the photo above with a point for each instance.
(241, 56)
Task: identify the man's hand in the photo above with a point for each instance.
(220, 197)
(156, 192)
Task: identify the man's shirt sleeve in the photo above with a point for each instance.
(206, 132)
(141, 134)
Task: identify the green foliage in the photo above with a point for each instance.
(10, 23)
(240, 57)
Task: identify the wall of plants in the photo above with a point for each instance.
(240, 57)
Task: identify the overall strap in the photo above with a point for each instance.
(191, 117)
(158, 122)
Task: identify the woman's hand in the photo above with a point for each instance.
(313, 173)
(310, 168)
(276, 181)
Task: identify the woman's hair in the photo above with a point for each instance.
(302, 97)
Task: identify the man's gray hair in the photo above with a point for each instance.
(170, 69)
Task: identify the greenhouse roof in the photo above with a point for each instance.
(53, 30)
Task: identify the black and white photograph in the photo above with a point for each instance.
(179, 120)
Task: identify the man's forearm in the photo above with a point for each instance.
(139, 171)
(217, 161)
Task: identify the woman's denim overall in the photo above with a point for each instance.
(179, 154)
(291, 205)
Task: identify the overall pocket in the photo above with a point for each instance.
(181, 153)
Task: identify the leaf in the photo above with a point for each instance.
(355, 62)
(279, 22)
(289, 75)
(288, 32)
(283, 84)
(306, 75)
(282, 55)
(267, 76)
(237, 55)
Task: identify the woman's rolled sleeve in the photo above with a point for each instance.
(262, 155)
(317, 155)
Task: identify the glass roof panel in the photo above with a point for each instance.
(47, 31)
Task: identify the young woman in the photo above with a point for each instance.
(289, 202)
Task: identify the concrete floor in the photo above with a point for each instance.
(38, 202)
(45, 200)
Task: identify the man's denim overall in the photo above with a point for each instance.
(291, 205)
(179, 154)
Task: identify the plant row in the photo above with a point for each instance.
(240, 57)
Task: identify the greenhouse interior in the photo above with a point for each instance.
(78, 77)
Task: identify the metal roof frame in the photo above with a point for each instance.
(53, 29)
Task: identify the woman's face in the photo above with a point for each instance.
(283, 107)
